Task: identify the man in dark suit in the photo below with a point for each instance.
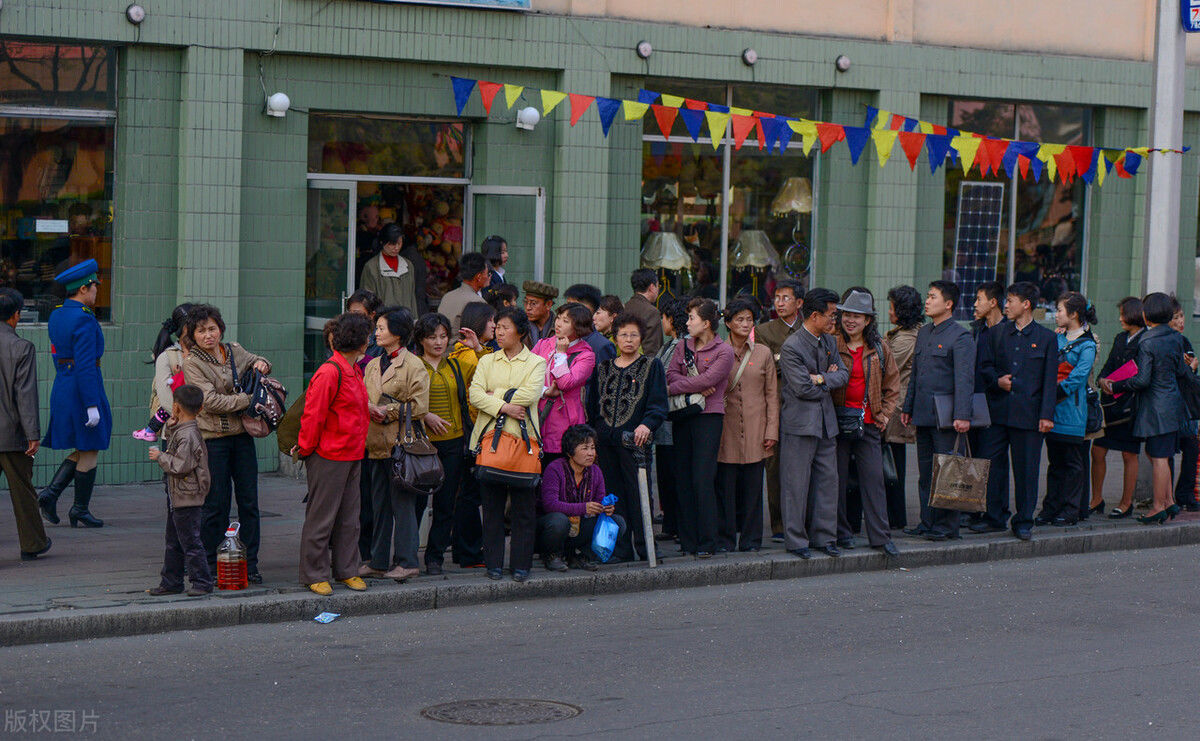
(943, 363)
(811, 369)
(773, 333)
(1020, 376)
(644, 305)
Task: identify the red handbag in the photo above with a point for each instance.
(503, 458)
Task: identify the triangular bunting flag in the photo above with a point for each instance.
(925, 127)
(831, 134)
(967, 147)
(808, 132)
(716, 126)
(885, 141)
(1023, 166)
(1036, 166)
(1083, 156)
(718, 108)
(693, 120)
(856, 141)
(742, 126)
(938, 146)
(462, 91)
(487, 91)
(983, 159)
(665, 117)
(607, 108)
(579, 104)
(896, 122)
(882, 119)
(1016, 150)
(996, 149)
(910, 124)
(912, 143)
(672, 101)
(1119, 166)
(741, 111)
(550, 99)
(785, 134)
(511, 94)
(759, 135)
(1048, 154)
(647, 96)
(872, 114)
(771, 128)
(634, 111)
(1133, 161)
(695, 105)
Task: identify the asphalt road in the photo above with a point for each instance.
(1096, 646)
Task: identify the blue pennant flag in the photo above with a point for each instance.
(462, 91)
(911, 124)
(856, 140)
(1090, 175)
(1133, 161)
(607, 107)
(872, 112)
(1036, 166)
(692, 120)
(785, 134)
(771, 129)
(718, 108)
(1015, 149)
(938, 146)
(647, 96)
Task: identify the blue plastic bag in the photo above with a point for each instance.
(604, 538)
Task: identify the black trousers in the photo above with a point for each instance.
(997, 443)
(440, 529)
(931, 441)
(867, 459)
(1185, 487)
(184, 546)
(696, 443)
(554, 535)
(467, 536)
(897, 505)
(1067, 492)
(668, 493)
(740, 505)
(621, 478)
(522, 514)
(366, 513)
(233, 464)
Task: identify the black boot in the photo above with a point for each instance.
(79, 515)
(48, 499)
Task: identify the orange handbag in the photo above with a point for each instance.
(503, 458)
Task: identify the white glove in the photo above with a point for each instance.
(93, 417)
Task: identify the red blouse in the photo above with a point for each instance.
(856, 389)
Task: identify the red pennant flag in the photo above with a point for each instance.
(1119, 166)
(994, 157)
(760, 114)
(911, 142)
(1083, 158)
(665, 116)
(1066, 166)
(830, 134)
(758, 131)
(1023, 166)
(897, 122)
(742, 126)
(579, 104)
(939, 130)
(488, 90)
(695, 105)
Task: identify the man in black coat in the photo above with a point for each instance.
(1020, 375)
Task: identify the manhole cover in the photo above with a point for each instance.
(501, 712)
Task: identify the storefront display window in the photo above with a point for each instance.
(1045, 242)
(56, 177)
(377, 145)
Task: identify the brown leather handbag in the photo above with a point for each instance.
(415, 466)
(503, 458)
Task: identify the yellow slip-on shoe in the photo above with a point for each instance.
(355, 583)
(322, 588)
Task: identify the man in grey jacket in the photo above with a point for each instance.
(20, 430)
(810, 367)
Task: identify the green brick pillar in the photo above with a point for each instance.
(210, 177)
(577, 227)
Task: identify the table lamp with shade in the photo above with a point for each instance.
(754, 253)
(664, 252)
(795, 197)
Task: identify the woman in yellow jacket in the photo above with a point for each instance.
(513, 366)
(400, 375)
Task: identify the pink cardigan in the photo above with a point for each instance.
(570, 379)
(714, 361)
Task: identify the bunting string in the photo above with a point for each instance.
(883, 129)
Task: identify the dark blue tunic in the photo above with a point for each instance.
(77, 345)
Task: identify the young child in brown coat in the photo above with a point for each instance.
(185, 462)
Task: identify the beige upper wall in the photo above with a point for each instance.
(1117, 29)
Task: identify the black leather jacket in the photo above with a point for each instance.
(1160, 365)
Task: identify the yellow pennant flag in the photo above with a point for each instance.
(551, 98)
(511, 93)
(967, 147)
(1047, 153)
(1101, 170)
(807, 130)
(672, 101)
(634, 110)
(741, 111)
(716, 126)
(885, 140)
(883, 120)
(925, 127)
(1144, 151)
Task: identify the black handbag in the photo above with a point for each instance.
(686, 406)
(415, 467)
(891, 477)
(852, 422)
(1190, 388)
(1095, 415)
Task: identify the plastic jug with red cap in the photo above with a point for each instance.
(231, 560)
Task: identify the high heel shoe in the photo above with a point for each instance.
(1119, 514)
(1173, 511)
(1155, 519)
(1098, 509)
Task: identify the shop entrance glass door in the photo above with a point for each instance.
(329, 269)
(518, 214)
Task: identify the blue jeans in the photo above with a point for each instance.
(233, 464)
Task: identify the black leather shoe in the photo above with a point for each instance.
(982, 527)
(433, 569)
(1063, 522)
(802, 553)
(1023, 534)
(28, 556)
(847, 543)
(918, 530)
(495, 574)
(520, 575)
(831, 550)
(554, 563)
(1041, 521)
(889, 549)
(935, 537)
(254, 577)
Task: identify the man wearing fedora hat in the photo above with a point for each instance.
(79, 415)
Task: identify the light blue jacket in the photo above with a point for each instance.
(1070, 415)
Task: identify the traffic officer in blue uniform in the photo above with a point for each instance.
(80, 419)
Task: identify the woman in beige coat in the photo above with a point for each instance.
(394, 379)
(906, 312)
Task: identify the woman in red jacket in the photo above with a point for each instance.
(333, 435)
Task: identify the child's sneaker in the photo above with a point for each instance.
(145, 434)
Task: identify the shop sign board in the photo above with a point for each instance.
(1190, 10)
(501, 4)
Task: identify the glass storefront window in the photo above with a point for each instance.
(1047, 245)
(343, 144)
(56, 178)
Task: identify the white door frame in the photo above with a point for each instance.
(350, 188)
(539, 226)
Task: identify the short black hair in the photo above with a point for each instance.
(350, 332)
(1158, 308)
(492, 247)
(389, 233)
(470, 265)
(1025, 291)
(399, 322)
(612, 304)
(1130, 310)
(737, 306)
(11, 302)
(518, 317)
(948, 289)
(626, 319)
(993, 289)
(574, 436)
(641, 279)
(190, 397)
(584, 293)
(906, 302)
(817, 301)
(427, 327)
(367, 298)
(580, 316)
(502, 295)
(201, 313)
(706, 309)
(790, 285)
(475, 317)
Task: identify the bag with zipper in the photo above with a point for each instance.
(503, 458)
(415, 467)
(686, 406)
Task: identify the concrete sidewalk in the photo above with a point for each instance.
(93, 582)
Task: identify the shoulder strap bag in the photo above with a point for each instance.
(463, 408)
(852, 422)
(502, 458)
(686, 406)
(415, 467)
(741, 368)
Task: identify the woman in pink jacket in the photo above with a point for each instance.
(569, 365)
